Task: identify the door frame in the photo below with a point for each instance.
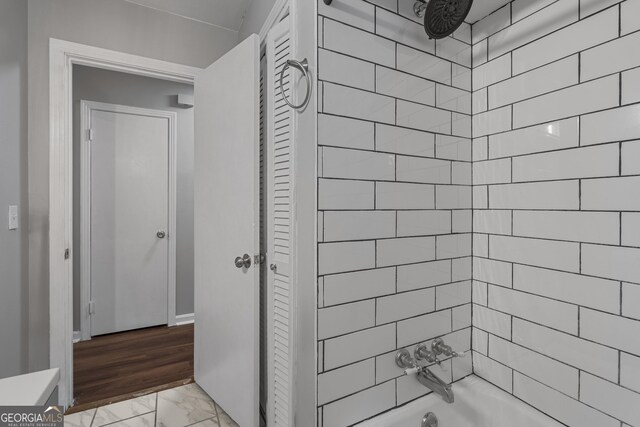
(85, 205)
(279, 10)
(62, 56)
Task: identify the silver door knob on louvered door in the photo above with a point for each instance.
(244, 261)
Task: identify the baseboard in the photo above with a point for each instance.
(184, 319)
(77, 336)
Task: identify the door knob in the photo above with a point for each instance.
(244, 261)
(161, 234)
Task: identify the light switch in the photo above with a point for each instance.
(13, 217)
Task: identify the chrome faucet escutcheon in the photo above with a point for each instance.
(423, 352)
(439, 347)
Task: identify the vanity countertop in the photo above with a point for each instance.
(28, 389)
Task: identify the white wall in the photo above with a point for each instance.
(556, 195)
(13, 186)
(394, 194)
(92, 84)
(113, 24)
(255, 17)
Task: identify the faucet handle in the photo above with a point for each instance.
(404, 359)
(438, 346)
(422, 352)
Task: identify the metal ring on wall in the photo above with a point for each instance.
(303, 66)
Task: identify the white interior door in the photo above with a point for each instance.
(226, 196)
(129, 213)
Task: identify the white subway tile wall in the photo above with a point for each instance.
(394, 136)
(537, 264)
(556, 222)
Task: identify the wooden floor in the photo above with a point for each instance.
(116, 367)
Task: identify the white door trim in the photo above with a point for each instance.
(279, 10)
(62, 56)
(85, 205)
(304, 44)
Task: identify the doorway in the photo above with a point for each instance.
(133, 208)
(227, 141)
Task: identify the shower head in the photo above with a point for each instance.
(442, 17)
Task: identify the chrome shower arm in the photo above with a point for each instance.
(419, 7)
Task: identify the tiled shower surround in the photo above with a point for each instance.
(556, 269)
(394, 200)
(555, 226)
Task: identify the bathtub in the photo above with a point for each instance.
(477, 404)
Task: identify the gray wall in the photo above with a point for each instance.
(13, 183)
(254, 17)
(113, 24)
(92, 84)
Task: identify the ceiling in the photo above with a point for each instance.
(223, 13)
(482, 8)
(229, 13)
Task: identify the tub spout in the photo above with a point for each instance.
(431, 381)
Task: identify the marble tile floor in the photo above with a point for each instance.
(183, 406)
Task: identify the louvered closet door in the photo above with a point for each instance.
(279, 215)
(263, 233)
